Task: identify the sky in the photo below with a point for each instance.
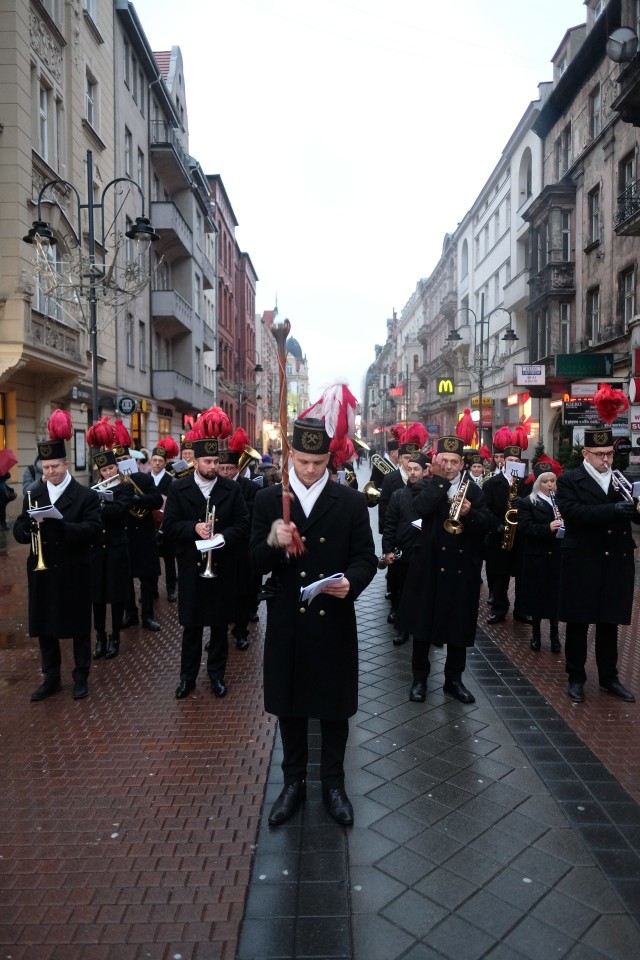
(351, 136)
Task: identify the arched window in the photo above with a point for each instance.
(525, 183)
(464, 260)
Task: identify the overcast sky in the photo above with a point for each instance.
(351, 135)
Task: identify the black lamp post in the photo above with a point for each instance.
(240, 387)
(93, 278)
(480, 366)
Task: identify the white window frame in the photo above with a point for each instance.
(91, 99)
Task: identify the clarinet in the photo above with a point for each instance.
(557, 516)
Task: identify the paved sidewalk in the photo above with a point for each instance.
(131, 819)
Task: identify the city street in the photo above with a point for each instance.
(134, 824)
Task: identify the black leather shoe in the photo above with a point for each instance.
(339, 806)
(496, 618)
(130, 620)
(523, 618)
(556, 646)
(218, 688)
(290, 798)
(392, 617)
(184, 688)
(151, 624)
(172, 596)
(46, 690)
(400, 638)
(616, 689)
(576, 691)
(80, 689)
(254, 618)
(113, 647)
(242, 643)
(418, 692)
(101, 645)
(457, 689)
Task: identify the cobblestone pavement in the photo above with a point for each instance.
(132, 822)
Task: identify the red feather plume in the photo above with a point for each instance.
(239, 441)
(465, 427)
(484, 452)
(123, 437)
(101, 434)
(170, 446)
(610, 403)
(193, 434)
(60, 425)
(396, 431)
(415, 433)
(215, 423)
(502, 438)
(520, 437)
(343, 451)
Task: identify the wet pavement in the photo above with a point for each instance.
(134, 824)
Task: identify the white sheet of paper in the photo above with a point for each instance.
(214, 544)
(179, 465)
(45, 513)
(511, 468)
(308, 593)
(417, 523)
(128, 466)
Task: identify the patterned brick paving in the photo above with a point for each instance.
(130, 817)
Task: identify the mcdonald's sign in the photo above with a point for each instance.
(445, 386)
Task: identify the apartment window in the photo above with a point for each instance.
(43, 121)
(128, 336)
(566, 236)
(142, 346)
(496, 226)
(598, 8)
(541, 338)
(128, 147)
(134, 78)
(565, 328)
(197, 294)
(141, 90)
(562, 65)
(477, 249)
(592, 318)
(156, 187)
(594, 215)
(486, 238)
(464, 260)
(45, 303)
(140, 170)
(128, 242)
(539, 248)
(627, 291)
(595, 111)
(562, 149)
(197, 366)
(626, 172)
(127, 63)
(91, 98)
(91, 8)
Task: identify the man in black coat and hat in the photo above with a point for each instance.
(597, 566)
(311, 646)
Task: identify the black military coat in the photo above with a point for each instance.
(203, 602)
(442, 592)
(392, 482)
(110, 568)
(143, 549)
(60, 596)
(311, 649)
(596, 555)
(540, 583)
(496, 496)
(398, 525)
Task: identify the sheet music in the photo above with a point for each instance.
(213, 544)
(50, 512)
(308, 593)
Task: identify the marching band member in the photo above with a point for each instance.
(390, 455)
(597, 568)
(165, 449)
(311, 648)
(110, 572)
(199, 507)
(440, 601)
(58, 568)
(541, 529)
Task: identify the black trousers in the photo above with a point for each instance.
(295, 745)
(397, 578)
(168, 554)
(100, 617)
(52, 659)
(147, 586)
(454, 664)
(575, 652)
(192, 653)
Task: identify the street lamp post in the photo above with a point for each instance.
(88, 279)
(241, 387)
(480, 366)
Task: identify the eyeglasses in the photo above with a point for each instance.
(601, 456)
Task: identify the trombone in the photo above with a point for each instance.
(36, 540)
(210, 519)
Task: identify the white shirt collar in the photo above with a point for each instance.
(307, 496)
(157, 477)
(56, 491)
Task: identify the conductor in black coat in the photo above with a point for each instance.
(205, 601)
(597, 567)
(311, 647)
(440, 600)
(60, 595)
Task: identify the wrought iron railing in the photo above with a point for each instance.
(628, 202)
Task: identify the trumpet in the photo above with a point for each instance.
(139, 511)
(36, 541)
(453, 523)
(210, 519)
(622, 486)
